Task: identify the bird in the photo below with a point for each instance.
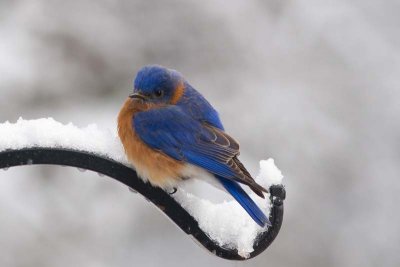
(171, 133)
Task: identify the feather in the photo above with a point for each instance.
(172, 131)
(245, 201)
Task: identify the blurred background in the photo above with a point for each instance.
(312, 84)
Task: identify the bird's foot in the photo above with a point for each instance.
(174, 189)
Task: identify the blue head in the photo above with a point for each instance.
(157, 84)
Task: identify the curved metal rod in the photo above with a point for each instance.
(162, 200)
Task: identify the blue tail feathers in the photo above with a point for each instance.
(245, 201)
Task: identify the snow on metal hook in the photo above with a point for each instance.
(50, 142)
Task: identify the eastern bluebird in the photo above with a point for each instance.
(170, 132)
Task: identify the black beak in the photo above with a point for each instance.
(137, 96)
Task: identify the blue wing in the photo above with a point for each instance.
(245, 201)
(178, 135)
(199, 108)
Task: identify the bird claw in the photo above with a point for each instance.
(174, 191)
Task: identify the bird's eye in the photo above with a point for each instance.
(159, 93)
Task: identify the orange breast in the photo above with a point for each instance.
(150, 164)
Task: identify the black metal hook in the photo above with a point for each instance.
(160, 198)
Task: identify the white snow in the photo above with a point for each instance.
(269, 174)
(227, 223)
(51, 133)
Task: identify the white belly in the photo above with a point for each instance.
(193, 172)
